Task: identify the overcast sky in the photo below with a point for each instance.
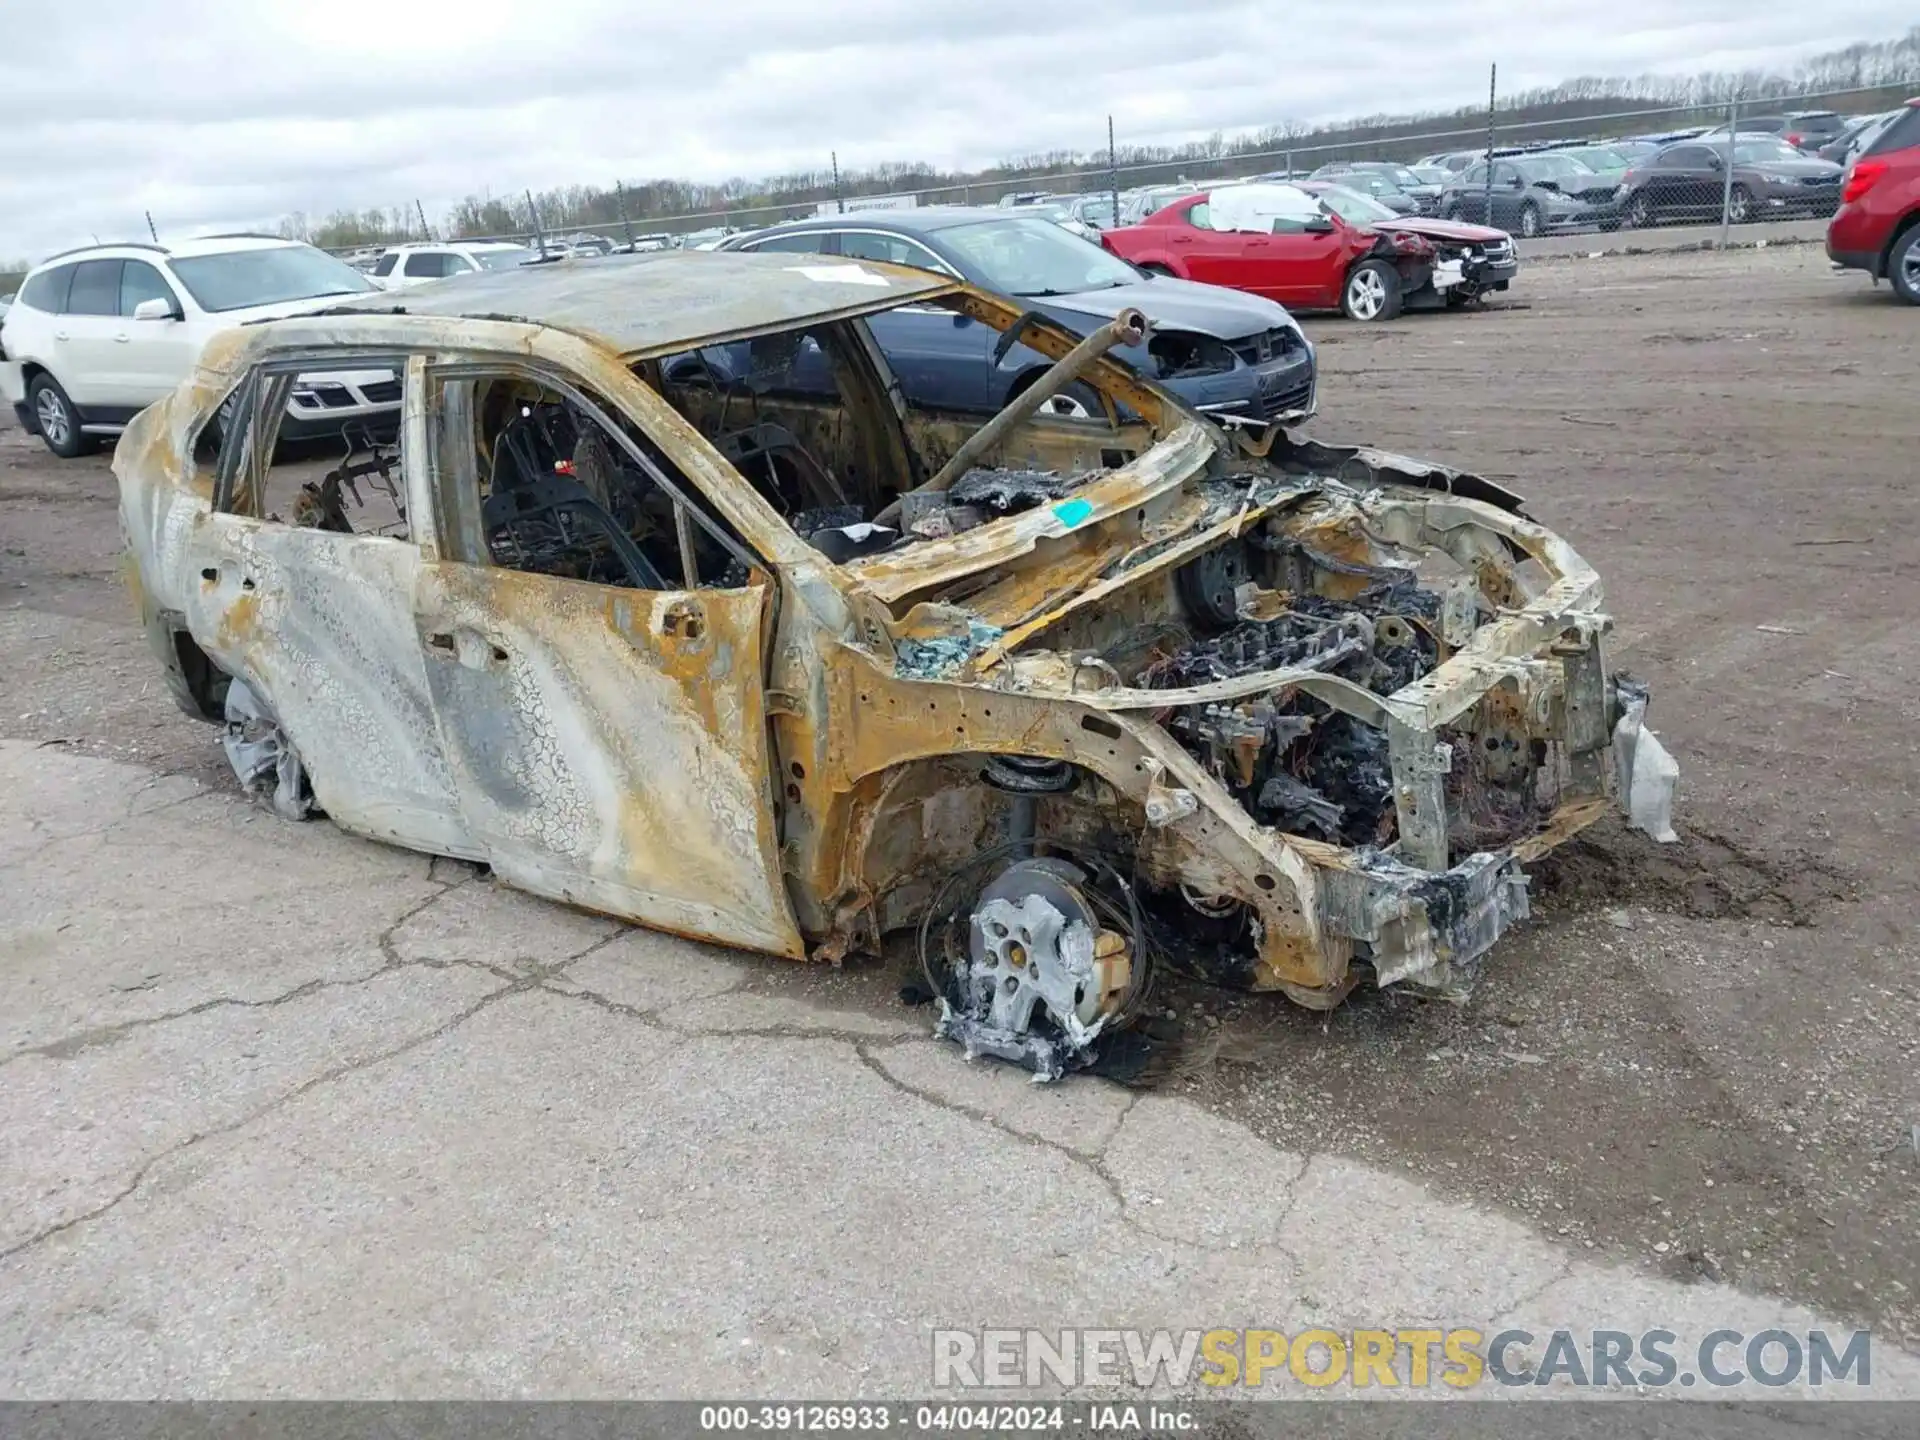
(219, 114)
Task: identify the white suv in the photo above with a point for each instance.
(97, 335)
(404, 265)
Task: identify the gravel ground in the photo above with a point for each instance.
(1700, 1058)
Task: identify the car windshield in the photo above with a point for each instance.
(1597, 157)
(1431, 174)
(240, 279)
(1552, 167)
(502, 259)
(1021, 255)
(1405, 178)
(1097, 210)
(1758, 152)
(1355, 208)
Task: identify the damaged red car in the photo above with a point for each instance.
(1319, 246)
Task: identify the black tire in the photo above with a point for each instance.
(1903, 264)
(54, 416)
(1739, 205)
(1639, 213)
(1153, 269)
(1371, 292)
(1529, 227)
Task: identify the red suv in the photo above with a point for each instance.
(1877, 228)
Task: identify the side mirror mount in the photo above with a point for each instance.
(156, 310)
(1517, 183)
(1319, 225)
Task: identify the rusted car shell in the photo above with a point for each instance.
(816, 822)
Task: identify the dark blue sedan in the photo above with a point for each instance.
(1220, 351)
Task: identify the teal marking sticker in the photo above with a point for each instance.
(1072, 512)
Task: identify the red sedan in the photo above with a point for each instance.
(1317, 246)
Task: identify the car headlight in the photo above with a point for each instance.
(1182, 353)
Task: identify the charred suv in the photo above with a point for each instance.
(1064, 697)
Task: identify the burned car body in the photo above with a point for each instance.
(785, 673)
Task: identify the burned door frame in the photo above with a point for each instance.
(319, 625)
(609, 745)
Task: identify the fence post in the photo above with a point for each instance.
(1493, 77)
(539, 230)
(1113, 173)
(620, 203)
(839, 200)
(1726, 175)
(421, 210)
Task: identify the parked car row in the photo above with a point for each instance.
(1635, 184)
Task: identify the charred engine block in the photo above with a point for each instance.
(1291, 761)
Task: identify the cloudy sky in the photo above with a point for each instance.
(217, 114)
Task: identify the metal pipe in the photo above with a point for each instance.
(1129, 327)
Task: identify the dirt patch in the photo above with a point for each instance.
(1706, 875)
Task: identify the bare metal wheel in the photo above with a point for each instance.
(1739, 206)
(1372, 291)
(1639, 213)
(1529, 220)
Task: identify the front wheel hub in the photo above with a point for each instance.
(1043, 977)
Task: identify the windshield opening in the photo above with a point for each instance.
(1026, 257)
(240, 279)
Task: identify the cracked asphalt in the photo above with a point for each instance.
(283, 1113)
(288, 1114)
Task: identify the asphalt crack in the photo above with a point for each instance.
(82, 1041)
(338, 1072)
(1094, 1164)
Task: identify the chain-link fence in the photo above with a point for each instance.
(1589, 168)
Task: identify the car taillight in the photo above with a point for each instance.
(1863, 177)
(1793, 140)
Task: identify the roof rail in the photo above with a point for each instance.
(245, 235)
(104, 245)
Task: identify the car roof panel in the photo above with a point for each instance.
(639, 306)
